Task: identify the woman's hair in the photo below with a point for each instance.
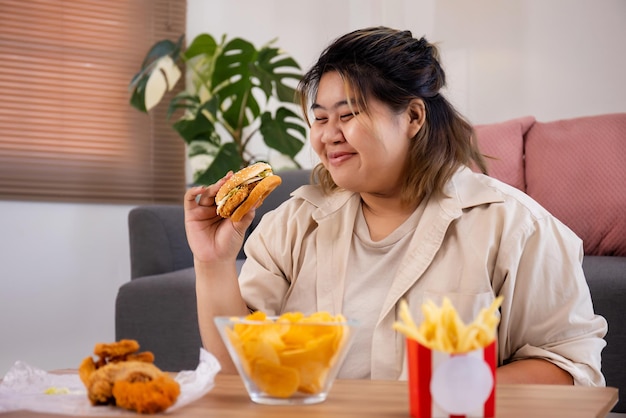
(395, 68)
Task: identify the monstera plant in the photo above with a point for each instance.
(234, 94)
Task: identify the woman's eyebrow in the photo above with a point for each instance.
(335, 106)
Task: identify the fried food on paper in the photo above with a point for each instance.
(122, 377)
(146, 397)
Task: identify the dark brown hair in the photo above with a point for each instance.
(394, 67)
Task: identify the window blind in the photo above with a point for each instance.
(67, 130)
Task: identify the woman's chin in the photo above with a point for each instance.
(346, 184)
(348, 179)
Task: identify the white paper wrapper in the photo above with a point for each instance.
(24, 388)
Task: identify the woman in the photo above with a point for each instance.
(397, 213)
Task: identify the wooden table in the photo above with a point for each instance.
(366, 398)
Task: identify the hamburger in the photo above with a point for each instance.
(245, 189)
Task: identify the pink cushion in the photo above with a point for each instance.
(504, 142)
(576, 169)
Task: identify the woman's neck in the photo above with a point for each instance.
(384, 214)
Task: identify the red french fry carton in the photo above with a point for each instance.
(451, 385)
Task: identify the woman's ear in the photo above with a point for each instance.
(417, 116)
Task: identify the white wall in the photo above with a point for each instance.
(60, 267)
(61, 264)
(552, 59)
(549, 58)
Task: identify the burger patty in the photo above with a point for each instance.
(236, 199)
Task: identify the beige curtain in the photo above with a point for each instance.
(67, 130)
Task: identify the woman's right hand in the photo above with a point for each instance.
(215, 243)
(211, 237)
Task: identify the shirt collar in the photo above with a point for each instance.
(465, 189)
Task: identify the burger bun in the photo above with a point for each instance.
(245, 190)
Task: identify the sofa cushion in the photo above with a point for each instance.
(576, 168)
(503, 144)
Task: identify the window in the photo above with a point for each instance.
(67, 130)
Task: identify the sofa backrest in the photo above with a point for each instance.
(575, 168)
(157, 238)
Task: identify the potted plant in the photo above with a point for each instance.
(234, 93)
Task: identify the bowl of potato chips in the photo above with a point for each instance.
(289, 359)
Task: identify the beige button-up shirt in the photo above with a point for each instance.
(481, 240)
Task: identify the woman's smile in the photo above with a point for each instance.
(336, 158)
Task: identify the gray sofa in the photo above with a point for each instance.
(157, 307)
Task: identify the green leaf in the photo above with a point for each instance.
(271, 73)
(162, 79)
(212, 106)
(159, 50)
(193, 129)
(278, 132)
(137, 97)
(203, 44)
(149, 67)
(227, 159)
(163, 48)
(185, 101)
(201, 148)
(234, 113)
(234, 60)
(232, 81)
(193, 104)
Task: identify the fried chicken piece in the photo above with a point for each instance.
(114, 352)
(237, 199)
(127, 379)
(117, 349)
(100, 384)
(148, 397)
(86, 369)
(144, 356)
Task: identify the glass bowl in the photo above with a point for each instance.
(287, 360)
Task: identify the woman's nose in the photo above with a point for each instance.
(332, 134)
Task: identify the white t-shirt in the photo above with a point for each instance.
(371, 268)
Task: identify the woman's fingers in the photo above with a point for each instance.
(204, 195)
(193, 196)
(205, 198)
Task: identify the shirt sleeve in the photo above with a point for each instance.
(547, 311)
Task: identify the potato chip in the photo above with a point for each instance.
(237, 345)
(312, 377)
(274, 379)
(260, 349)
(290, 317)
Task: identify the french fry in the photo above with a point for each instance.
(443, 329)
(405, 315)
(408, 327)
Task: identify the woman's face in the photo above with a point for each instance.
(364, 153)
